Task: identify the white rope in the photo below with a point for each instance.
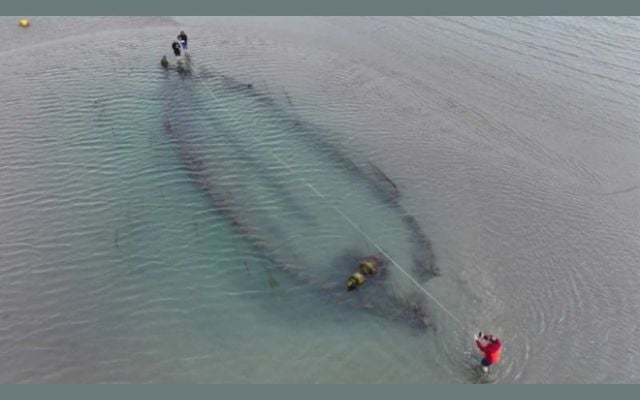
(356, 227)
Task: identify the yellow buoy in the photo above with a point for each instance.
(355, 280)
(24, 23)
(368, 267)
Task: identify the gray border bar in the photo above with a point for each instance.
(322, 7)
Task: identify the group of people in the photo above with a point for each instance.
(179, 45)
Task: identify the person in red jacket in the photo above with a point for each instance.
(491, 350)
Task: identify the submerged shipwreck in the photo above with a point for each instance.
(240, 131)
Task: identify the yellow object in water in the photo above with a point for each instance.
(368, 267)
(355, 280)
(24, 23)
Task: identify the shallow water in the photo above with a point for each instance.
(513, 142)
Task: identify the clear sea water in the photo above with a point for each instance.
(513, 142)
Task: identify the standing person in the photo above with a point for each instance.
(182, 37)
(175, 46)
(491, 349)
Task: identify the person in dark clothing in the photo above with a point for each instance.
(182, 37)
(175, 46)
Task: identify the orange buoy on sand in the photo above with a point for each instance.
(24, 23)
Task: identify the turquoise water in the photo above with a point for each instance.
(131, 264)
(169, 228)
